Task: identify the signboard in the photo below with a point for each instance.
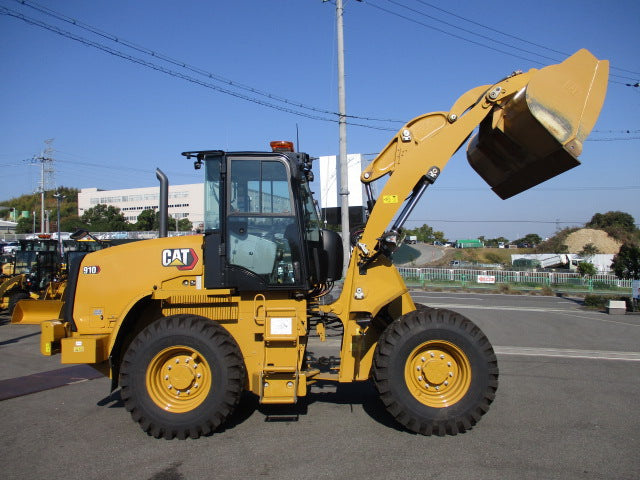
(635, 289)
(486, 279)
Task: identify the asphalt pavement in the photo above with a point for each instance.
(566, 408)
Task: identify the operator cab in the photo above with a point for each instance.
(261, 226)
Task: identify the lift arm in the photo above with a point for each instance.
(532, 126)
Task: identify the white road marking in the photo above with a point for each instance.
(601, 319)
(499, 307)
(568, 353)
(429, 297)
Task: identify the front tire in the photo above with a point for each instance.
(182, 376)
(436, 371)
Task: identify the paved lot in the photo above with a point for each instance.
(567, 408)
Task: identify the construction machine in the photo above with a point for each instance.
(184, 325)
(43, 277)
(33, 269)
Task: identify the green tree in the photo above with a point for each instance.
(557, 243)
(603, 221)
(25, 225)
(586, 269)
(589, 250)
(426, 234)
(531, 239)
(619, 225)
(71, 223)
(185, 225)
(104, 218)
(147, 221)
(493, 242)
(626, 264)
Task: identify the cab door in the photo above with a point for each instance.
(263, 237)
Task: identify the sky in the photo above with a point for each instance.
(124, 87)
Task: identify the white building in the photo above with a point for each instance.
(185, 201)
(330, 188)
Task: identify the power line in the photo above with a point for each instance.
(498, 221)
(194, 69)
(460, 37)
(510, 35)
(611, 139)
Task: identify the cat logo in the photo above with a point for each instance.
(182, 258)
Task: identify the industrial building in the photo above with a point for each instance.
(185, 201)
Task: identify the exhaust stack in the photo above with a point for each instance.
(163, 204)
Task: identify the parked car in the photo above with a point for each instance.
(11, 247)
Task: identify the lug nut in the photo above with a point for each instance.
(441, 357)
(420, 378)
(418, 368)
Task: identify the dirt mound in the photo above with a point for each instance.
(601, 239)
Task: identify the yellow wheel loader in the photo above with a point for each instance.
(35, 267)
(45, 277)
(184, 325)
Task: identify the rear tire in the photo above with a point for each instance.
(436, 371)
(182, 376)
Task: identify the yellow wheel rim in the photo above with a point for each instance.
(178, 379)
(438, 374)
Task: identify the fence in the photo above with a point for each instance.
(136, 235)
(518, 279)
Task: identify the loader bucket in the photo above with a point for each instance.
(538, 133)
(34, 312)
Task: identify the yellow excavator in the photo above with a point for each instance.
(184, 325)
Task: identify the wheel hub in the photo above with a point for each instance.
(178, 379)
(438, 373)
(181, 373)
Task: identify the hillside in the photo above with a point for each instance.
(601, 239)
(408, 256)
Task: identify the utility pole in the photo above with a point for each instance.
(342, 122)
(59, 197)
(46, 171)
